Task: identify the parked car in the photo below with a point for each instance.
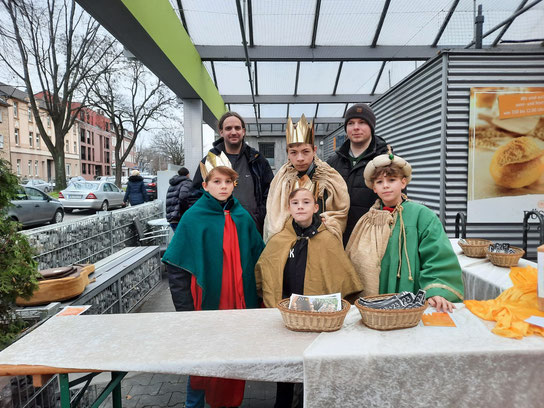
(40, 185)
(33, 207)
(150, 183)
(91, 195)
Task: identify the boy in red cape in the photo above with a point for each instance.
(206, 276)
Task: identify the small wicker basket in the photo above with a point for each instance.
(505, 260)
(389, 319)
(312, 321)
(476, 247)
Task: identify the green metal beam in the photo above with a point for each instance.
(159, 20)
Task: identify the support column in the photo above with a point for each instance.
(192, 124)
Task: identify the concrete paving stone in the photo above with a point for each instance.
(155, 400)
(168, 378)
(151, 389)
(133, 402)
(138, 379)
(176, 399)
(170, 387)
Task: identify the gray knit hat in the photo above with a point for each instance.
(361, 111)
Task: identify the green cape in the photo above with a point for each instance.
(197, 246)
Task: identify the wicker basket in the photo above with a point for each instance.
(476, 247)
(312, 321)
(505, 260)
(389, 319)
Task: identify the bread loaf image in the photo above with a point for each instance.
(518, 163)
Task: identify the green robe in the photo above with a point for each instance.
(197, 246)
(434, 265)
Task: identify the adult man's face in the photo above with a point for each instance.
(301, 155)
(358, 131)
(233, 133)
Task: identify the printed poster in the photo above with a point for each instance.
(506, 153)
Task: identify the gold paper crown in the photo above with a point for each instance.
(212, 161)
(308, 184)
(304, 132)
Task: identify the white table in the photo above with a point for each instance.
(483, 280)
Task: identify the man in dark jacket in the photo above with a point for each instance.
(135, 193)
(177, 197)
(253, 169)
(352, 157)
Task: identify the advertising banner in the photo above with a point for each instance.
(505, 153)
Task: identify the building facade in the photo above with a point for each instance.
(95, 141)
(130, 162)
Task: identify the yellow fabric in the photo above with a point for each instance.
(277, 203)
(513, 306)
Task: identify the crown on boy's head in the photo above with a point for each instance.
(308, 184)
(212, 161)
(304, 132)
(384, 160)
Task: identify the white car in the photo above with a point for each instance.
(40, 185)
(91, 195)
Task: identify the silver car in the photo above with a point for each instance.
(91, 195)
(40, 185)
(33, 207)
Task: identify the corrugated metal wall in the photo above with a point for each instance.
(430, 109)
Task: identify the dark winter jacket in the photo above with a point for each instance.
(177, 197)
(361, 197)
(135, 193)
(260, 171)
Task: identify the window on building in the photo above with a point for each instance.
(267, 150)
(89, 153)
(31, 139)
(1, 141)
(68, 169)
(75, 147)
(30, 167)
(0, 116)
(83, 168)
(17, 136)
(30, 113)
(18, 167)
(88, 136)
(107, 157)
(92, 138)
(83, 150)
(93, 154)
(36, 167)
(15, 110)
(67, 146)
(82, 138)
(38, 141)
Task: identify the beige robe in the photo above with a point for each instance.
(337, 203)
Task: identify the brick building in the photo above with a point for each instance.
(95, 140)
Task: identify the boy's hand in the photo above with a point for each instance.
(441, 304)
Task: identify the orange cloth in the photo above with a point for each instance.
(513, 306)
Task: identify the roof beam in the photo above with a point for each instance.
(256, 79)
(378, 78)
(380, 23)
(287, 99)
(277, 133)
(507, 26)
(316, 21)
(296, 77)
(182, 16)
(214, 76)
(445, 23)
(338, 77)
(319, 53)
(282, 120)
(250, 22)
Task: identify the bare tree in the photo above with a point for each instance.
(133, 99)
(170, 144)
(54, 46)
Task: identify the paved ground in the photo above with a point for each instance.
(165, 390)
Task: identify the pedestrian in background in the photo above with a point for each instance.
(135, 193)
(178, 197)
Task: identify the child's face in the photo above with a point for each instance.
(303, 207)
(219, 186)
(301, 155)
(389, 189)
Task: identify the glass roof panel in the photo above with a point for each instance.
(528, 26)
(283, 22)
(358, 77)
(273, 110)
(330, 110)
(297, 109)
(420, 21)
(276, 78)
(212, 22)
(348, 22)
(460, 29)
(208, 66)
(317, 78)
(246, 110)
(232, 78)
(393, 73)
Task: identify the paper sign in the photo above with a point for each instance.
(536, 320)
(73, 310)
(437, 319)
(517, 105)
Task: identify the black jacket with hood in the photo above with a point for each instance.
(260, 171)
(361, 197)
(136, 192)
(177, 197)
